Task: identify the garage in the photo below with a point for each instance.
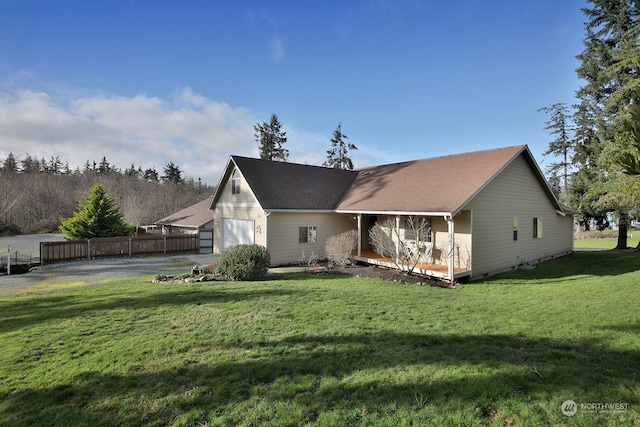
(236, 232)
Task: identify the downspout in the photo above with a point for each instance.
(451, 252)
(266, 229)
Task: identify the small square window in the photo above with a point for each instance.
(308, 234)
(418, 229)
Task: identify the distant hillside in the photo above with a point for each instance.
(34, 198)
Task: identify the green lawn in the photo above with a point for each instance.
(332, 351)
(608, 243)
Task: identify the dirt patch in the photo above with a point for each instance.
(388, 274)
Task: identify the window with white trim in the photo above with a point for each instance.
(235, 182)
(418, 229)
(308, 234)
(537, 228)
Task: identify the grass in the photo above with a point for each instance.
(326, 350)
(633, 238)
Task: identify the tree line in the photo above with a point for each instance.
(595, 136)
(37, 194)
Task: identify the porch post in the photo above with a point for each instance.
(359, 234)
(451, 253)
(397, 239)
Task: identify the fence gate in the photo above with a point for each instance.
(205, 237)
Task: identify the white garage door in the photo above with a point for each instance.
(236, 232)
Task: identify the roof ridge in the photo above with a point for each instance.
(288, 163)
(466, 153)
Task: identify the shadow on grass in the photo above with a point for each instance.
(21, 313)
(320, 373)
(589, 263)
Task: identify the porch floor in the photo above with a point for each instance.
(436, 270)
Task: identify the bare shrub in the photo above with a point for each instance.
(339, 248)
(386, 240)
(310, 261)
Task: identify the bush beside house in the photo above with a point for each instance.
(244, 262)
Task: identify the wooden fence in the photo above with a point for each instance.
(52, 252)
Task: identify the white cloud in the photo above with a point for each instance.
(195, 133)
(276, 49)
(188, 129)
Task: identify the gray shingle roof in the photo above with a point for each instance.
(195, 216)
(280, 185)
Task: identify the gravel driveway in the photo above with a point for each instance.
(93, 271)
(99, 270)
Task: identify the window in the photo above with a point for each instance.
(515, 228)
(235, 182)
(537, 228)
(418, 229)
(308, 234)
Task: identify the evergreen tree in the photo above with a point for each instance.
(172, 173)
(10, 164)
(131, 171)
(31, 164)
(630, 159)
(97, 216)
(560, 127)
(151, 175)
(609, 66)
(338, 155)
(105, 166)
(271, 139)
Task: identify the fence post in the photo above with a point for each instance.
(89, 249)
(9, 260)
(129, 247)
(41, 256)
(164, 245)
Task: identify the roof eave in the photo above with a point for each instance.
(223, 178)
(402, 213)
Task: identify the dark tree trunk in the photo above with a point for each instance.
(622, 231)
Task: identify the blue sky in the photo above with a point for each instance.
(148, 82)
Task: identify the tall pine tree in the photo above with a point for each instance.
(271, 139)
(560, 127)
(609, 66)
(338, 155)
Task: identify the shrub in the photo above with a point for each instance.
(338, 248)
(9, 229)
(597, 234)
(244, 262)
(309, 261)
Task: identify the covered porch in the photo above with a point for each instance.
(448, 243)
(438, 271)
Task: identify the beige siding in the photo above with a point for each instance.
(515, 193)
(238, 206)
(283, 233)
(462, 240)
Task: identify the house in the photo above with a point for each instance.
(486, 209)
(188, 220)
